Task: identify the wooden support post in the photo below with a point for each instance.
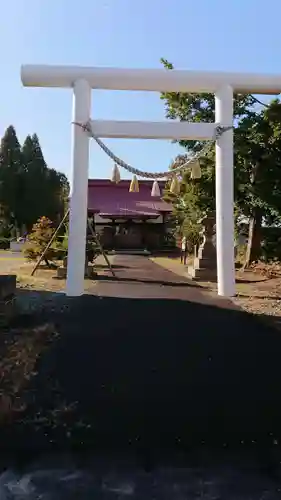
(49, 244)
(97, 240)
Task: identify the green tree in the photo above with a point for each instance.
(28, 188)
(39, 237)
(257, 150)
(257, 173)
(201, 108)
(10, 177)
(58, 194)
(34, 186)
(45, 190)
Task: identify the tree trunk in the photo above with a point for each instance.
(254, 238)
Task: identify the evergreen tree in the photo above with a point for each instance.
(45, 188)
(28, 188)
(58, 188)
(10, 177)
(34, 185)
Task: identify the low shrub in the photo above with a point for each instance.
(32, 252)
(38, 239)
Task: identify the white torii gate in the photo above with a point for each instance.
(84, 79)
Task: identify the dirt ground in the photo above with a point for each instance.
(258, 292)
(44, 279)
(258, 289)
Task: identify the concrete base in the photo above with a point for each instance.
(89, 272)
(8, 285)
(201, 274)
(7, 310)
(16, 246)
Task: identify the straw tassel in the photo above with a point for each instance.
(134, 186)
(155, 191)
(175, 186)
(116, 177)
(196, 170)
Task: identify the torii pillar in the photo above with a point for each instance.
(225, 194)
(79, 195)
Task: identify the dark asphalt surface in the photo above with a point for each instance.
(146, 364)
(148, 372)
(139, 277)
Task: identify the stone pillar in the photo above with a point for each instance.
(205, 264)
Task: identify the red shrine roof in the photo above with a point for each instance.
(109, 199)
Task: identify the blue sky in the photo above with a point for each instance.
(235, 35)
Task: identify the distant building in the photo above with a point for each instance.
(127, 220)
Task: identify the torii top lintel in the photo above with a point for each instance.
(161, 80)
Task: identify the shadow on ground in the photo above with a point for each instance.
(164, 282)
(114, 266)
(148, 374)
